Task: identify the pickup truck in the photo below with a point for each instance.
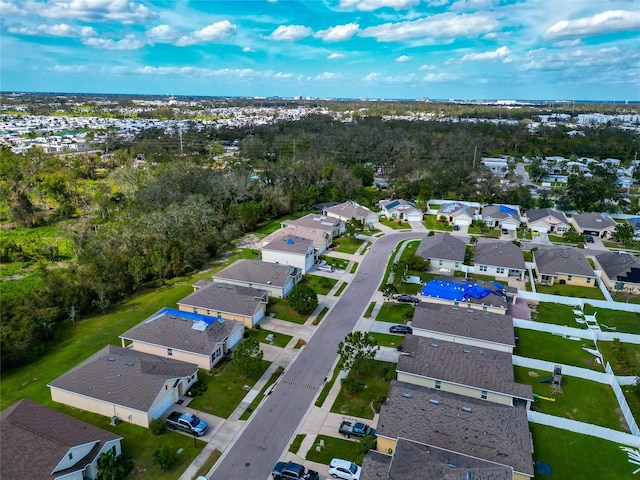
(350, 428)
(187, 422)
(293, 471)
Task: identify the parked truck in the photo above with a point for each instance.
(293, 471)
(351, 428)
(187, 422)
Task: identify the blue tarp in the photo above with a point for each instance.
(196, 317)
(458, 291)
(508, 210)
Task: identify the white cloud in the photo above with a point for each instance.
(70, 68)
(339, 33)
(442, 26)
(327, 76)
(88, 32)
(472, 5)
(123, 11)
(58, 30)
(371, 5)
(248, 50)
(216, 32)
(226, 73)
(162, 34)
(403, 58)
(372, 77)
(498, 53)
(426, 67)
(335, 56)
(129, 42)
(593, 61)
(599, 24)
(290, 33)
(438, 77)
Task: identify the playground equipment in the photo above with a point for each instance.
(556, 381)
(540, 397)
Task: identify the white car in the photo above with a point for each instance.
(325, 268)
(345, 469)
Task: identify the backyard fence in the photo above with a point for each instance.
(568, 370)
(624, 406)
(576, 332)
(578, 302)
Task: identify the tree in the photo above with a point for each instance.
(623, 233)
(388, 291)
(537, 170)
(248, 357)
(110, 466)
(303, 299)
(353, 227)
(355, 349)
(399, 271)
(163, 457)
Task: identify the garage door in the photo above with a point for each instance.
(462, 223)
(235, 338)
(540, 229)
(163, 406)
(414, 217)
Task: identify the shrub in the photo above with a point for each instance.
(163, 458)
(198, 388)
(157, 426)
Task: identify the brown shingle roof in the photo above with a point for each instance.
(442, 246)
(123, 377)
(349, 209)
(226, 298)
(480, 368)
(464, 323)
(257, 272)
(540, 213)
(297, 233)
(594, 221)
(35, 439)
(489, 431)
(289, 244)
(375, 466)
(620, 266)
(498, 254)
(320, 222)
(551, 261)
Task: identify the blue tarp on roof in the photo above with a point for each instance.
(449, 290)
(508, 210)
(196, 317)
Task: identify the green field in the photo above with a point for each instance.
(555, 313)
(554, 348)
(395, 312)
(621, 321)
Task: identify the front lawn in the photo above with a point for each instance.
(571, 291)
(578, 457)
(622, 321)
(347, 244)
(335, 448)
(321, 285)
(556, 313)
(624, 298)
(341, 289)
(554, 348)
(395, 312)
(225, 389)
(374, 388)
(337, 263)
(282, 311)
(387, 339)
(395, 224)
(431, 222)
(279, 339)
(581, 400)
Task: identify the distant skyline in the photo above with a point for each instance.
(395, 49)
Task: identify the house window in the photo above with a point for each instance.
(485, 308)
(70, 455)
(500, 270)
(438, 384)
(215, 354)
(440, 262)
(208, 312)
(219, 314)
(483, 268)
(483, 395)
(588, 280)
(569, 278)
(195, 310)
(170, 351)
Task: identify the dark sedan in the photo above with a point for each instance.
(400, 329)
(406, 298)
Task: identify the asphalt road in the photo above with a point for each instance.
(262, 442)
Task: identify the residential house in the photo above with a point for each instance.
(298, 252)
(333, 226)
(401, 210)
(184, 336)
(635, 224)
(470, 327)
(564, 266)
(39, 442)
(474, 372)
(457, 213)
(320, 239)
(277, 280)
(351, 210)
(467, 426)
(501, 216)
(125, 385)
(443, 250)
(226, 301)
(469, 293)
(620, 271)
(547, 220)
(499, 259)
(498, 166)
(595, 224)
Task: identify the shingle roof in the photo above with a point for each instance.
(442, 246)
(623, 267)
(35, 439)
(487, 326)
(489, 431)
(456, 208)
(289, 243)
(551, 261)
(540, 213)
(480, 368)
(500, 212)
(122, 376)
(375, 466)
(399, 204)
(257, 272)
(349, 209)
(226, 298)
(593, 221)
(498, 254)
(321, 222)
(173, 329)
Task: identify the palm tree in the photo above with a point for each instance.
(109, 466)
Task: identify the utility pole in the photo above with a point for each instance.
(180, 135)
(475, 152)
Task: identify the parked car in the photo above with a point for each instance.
(187, 422)
(400, 329)
(345, 469)
(590, 239)
(325, 268)
(456, 227)
(406, 298)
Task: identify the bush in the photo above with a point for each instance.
(157, 426)
(163, 458)
(198, 389)
(303, 299)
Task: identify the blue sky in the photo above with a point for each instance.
(439, 49)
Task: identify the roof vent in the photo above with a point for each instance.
(407, 395)
(435, 344)
(434, 402)
(111, 359)
(451, 464)
(466, 409)
(466, 350)
(482, 352)
(131, 364)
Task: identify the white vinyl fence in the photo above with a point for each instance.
(576, 332)
(624, 406)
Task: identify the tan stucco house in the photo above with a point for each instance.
(276, 279)
(547, 220)
(563, 266)
(443, 250)
(595, 224)
(620, 271)
(499, 259)
(292, 250)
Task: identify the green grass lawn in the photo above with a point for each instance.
(225, 389)
(387, 339)
(281, 309)
(395, 224)
(553, 348)
(335, 447)
(295, 445)
(578, 457)
(340, 289)
(354, 267)
(621, 297)
(559, 239)
(270, 227)
(327, 386)
(347, 245)
(375, 387)
(628, 322)
(431, 222)
(623, 357)
(571, 291)
(321, 285)
(256, 401)
(395, 312)
(370, 308)
(279, 339)
(410, 288)
(337, 263)
(581, 400)
(320, 316)
(556, 313)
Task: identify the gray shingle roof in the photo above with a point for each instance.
(349, 209)
(226, 298)
(109, 376)
(620, 266)
(375, 466)
(296, 233)
(442, 246)
(498, 254)
(461, 322)
(499, 212)
(480, 368)
(176, 332)
(289, 244)
(551, 261)
(35, 439)
(540, 213)
(594, 221)
(455, 208)
(257, 272)
(492, 432)
(321, 222)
